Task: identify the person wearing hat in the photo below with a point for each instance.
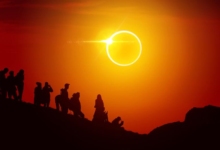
(3, 84)
(11, 86)
(38, 94)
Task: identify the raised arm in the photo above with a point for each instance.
(51, 90)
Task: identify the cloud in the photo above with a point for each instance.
(193, 8)
(189, 8)
(53, 12)
(47, 4)
(40, 12)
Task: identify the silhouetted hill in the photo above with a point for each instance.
(26, 126)
(29, 126)
(200, 130)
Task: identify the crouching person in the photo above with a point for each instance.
(117, 122)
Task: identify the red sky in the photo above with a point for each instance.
(178, 68)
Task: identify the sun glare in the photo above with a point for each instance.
(108, 41)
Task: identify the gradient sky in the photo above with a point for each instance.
(178, 69)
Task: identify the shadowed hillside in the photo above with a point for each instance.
(200, 130)
(27, 126)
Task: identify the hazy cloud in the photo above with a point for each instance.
(53, 12)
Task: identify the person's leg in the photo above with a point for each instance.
(0, 94)
(9, 94)
(45, 103)
(75, 113)
(20, 92)
(81, 114)
(15, 95)
(57, 106)
(48, 102)
(65, 110)
(4, 93)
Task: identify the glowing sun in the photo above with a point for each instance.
(110, 41)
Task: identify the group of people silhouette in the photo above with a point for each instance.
(65, 103)
(42, 96)
(12, 83)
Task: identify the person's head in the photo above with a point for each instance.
(11, 73)
(21, 71)
(77, 94)
(61, 91)
(74, 94)
(46, 84)
(6, 70)
(99, 96)
(118, 118)
(67, 86)
(38, 84)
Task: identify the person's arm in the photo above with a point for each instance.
(95, 103)
(51, 90)
(122, 122)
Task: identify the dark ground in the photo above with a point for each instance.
(26, 126)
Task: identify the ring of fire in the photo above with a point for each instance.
(110, 39)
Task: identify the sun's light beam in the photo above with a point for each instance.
(110, 41)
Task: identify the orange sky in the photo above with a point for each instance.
(178, 68)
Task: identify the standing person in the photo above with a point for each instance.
(38, 94)
(46, 94)
(62, 100)
(11, 86)
(58, 100)
(20, 83)
(3, 84)
(100, 116)
(65, 92)
(99, 103)
(76, 106)
(65, 99)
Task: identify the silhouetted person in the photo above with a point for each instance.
(46, 94)
(100, 116)
(20, 83)
(117, 122)
(63, 99)
(11, 88)
(76, 106)
(58, 100)
(99, 103)
(38, 94)
(65, 92)
(3, 83)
